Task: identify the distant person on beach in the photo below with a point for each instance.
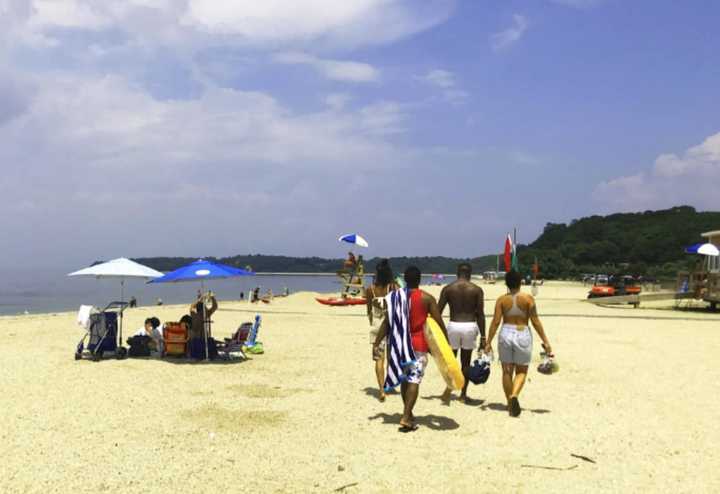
(422, 305)
(255, 296)
(159, 301)
(376, 312)
(132, 302)
(467, 319)
(515, 309)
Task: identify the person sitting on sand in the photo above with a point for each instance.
(421, 305)
(152, 330)
(515, 341)
(376, 312)
(467, 320)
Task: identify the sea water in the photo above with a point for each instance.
(35, 291)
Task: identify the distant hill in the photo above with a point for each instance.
(287, 264)
(647, 243)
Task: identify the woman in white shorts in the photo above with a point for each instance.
(515, 309)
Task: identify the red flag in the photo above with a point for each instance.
(508, 253)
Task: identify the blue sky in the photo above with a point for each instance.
(198, 127)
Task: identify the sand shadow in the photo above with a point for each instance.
(188, 361)
(433, 422)
(471, 402)
(502, 407)
(375, 393)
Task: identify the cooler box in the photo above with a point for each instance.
(176, 338)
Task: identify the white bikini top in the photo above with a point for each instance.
(515, 310)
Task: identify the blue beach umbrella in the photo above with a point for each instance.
(202, 270)
(354, 238)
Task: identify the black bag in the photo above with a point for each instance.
(212, 349)
(139, 346)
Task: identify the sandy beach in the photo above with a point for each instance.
(637, 393)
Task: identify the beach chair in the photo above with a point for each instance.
(175, 336)
(101, 331)
(232, 348)
(251, 345)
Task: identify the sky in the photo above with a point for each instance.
(434, 127)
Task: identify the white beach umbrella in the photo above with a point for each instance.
(121, 269)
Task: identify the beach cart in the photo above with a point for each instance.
(101, 333)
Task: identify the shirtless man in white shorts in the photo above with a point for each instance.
(467, 319)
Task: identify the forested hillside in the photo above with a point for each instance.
(648, 243)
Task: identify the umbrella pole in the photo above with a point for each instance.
(122, 299)
(206, 321)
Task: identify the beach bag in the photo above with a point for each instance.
(139, 346)
(255, 349)
(212, 349)
(197, 348)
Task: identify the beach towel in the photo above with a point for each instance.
(83, 317)
(399, 347)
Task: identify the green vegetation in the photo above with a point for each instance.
(649, 243)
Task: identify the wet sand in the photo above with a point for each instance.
(638, 393)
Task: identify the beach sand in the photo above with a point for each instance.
(638, 392)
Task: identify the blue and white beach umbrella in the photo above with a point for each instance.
(354, 238)
(703, 249)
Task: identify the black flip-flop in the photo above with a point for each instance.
(515, 409)
(408, 428)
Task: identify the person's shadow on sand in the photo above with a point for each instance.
(471, 402)
(434, 422)
(501, 407)
(375, 393)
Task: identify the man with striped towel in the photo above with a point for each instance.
(407, 349)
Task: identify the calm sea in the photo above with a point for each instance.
(43, 292)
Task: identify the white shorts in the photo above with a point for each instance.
(515, 344)
(462, 335)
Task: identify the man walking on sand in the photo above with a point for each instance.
(467, 319)
(421, 304)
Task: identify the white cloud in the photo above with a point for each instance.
(690, 178)
(447, 83)
(440, 78)
(337, 101)
(511, 35)
(329, 23)
(339, 70)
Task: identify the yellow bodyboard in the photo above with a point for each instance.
(443, 355)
